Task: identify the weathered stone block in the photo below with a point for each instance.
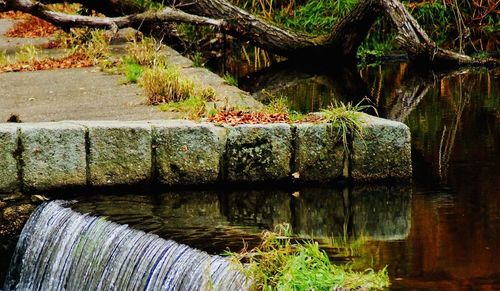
(319, 153)
(258, 152)
(187, 152)
(383, 152)
(8, 165)
(119, 152)
(53, 155)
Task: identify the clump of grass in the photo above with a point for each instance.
(97, 47)
(27, 54)
(133, 72)
(344, 120)
(94, 43)
(145, 51)
(315, 16)
(230, 79)
(4, 59)
(197, 59)
(281, 263)
(277, 104)
(164, 84)
(194, 106)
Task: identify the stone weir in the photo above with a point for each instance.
(44, 156)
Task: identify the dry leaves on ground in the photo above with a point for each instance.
(32, 27)
(13, 15)
(77, 60)
(240, 117)
(233, 118)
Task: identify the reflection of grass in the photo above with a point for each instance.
(280, 263)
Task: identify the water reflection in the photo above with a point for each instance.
(215, 221)
(454, 117)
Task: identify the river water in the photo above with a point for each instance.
(440, 232)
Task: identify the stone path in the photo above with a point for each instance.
(72, 94)
(88, 94)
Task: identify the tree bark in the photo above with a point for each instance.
(340, 45)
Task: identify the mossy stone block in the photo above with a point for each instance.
(383, 152)
(8, 164)
(53, 155)
(119, 152)
(258, 152)
(319, 153)
(188, 152)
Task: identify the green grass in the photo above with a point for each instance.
(133, 72)
(230, 79)
(315, 16)
(282, 263)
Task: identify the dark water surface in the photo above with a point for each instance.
(441, 232)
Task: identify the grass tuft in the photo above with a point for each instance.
(133, 72)
(27, 54)
(230, 80)
(145, 51)
(344, 119)
(164, 84)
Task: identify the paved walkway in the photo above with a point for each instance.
(88, 94)
(76, 94)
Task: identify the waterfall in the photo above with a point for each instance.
(60, 249)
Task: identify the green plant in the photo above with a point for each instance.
(194, 106)
(230, 79)
(344, 120)
(197, 59)
(27, 54)
(282, 263)
(133, 72)
(315, 16)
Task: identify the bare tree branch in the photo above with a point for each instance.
(67, 20)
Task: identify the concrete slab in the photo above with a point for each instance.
(72, 94)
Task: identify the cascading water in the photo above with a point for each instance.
(60, 249)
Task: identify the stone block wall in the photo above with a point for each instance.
(41, 156)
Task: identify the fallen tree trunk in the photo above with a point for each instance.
(340, 45)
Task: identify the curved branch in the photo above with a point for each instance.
(135, 20)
